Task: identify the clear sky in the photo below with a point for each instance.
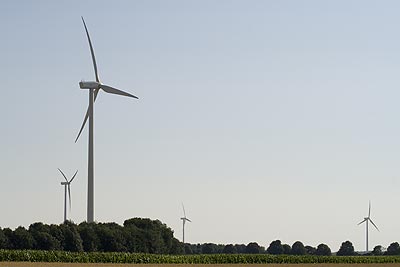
(267, 119)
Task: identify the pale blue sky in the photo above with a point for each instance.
(268, 119)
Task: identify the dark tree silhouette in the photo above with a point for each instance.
(298, 248)
(275, 248)
(378, 251)
(323, 250)
(229, 249)
(346, 249)
(393, 249)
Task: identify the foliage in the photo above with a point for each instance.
(136, 235)
(346, 249)
(323, 250)
(378, 251)
(275, 248)
(310, 250)
(287, 249)
(298, 248)
(229, 249)
(393, 249)
(254, 248)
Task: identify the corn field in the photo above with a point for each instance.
(138, 258)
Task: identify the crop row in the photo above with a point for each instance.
(117, 257)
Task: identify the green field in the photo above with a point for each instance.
(99, 258)
(60, 264)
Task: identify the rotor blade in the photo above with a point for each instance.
(188, 220)
(374, 224)
(63, 175)
(369, 209)
(96, 91)
(69, 196)
(112, 90)
(92, 52)
(73, 176)
(362, 222)
(184, 212)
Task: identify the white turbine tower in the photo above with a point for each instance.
(184, 219)
(94, 88)
(367, 220)
(67, 185)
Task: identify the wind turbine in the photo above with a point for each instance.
(94, 88)
(67, 184)
(184, 219)
(367, 220)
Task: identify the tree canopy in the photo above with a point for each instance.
(346, 249)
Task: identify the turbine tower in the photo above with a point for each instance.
(67, 185)
(367, 220)
(94, 88)
(184, 219)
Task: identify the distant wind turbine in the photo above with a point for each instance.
(366, 220)
(67, 185)
(94, 88)
(184, 219)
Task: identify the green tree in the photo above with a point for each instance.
(209, 248)
(253, 248)
(3, 240)
(22, 239)
(152, 236)
(287, 249)
(90, 240)
(275, 248)
(71, 240)
(111, 237)
(240, 248)
(378, 251)
(229, 249)
(43, 240)
(393, 249)
(9, 235)
(310, 250)
(323, 250)
(298, 248)
(346, 249)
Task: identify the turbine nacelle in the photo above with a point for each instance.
(89, 85)
(64, 183)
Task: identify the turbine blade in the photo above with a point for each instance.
(184, 212)
(69, 196)
(92, 52)
(73, 177)
(188, 220)
(96, 91)
(63, 175)
(369, 209)
(112, 90)
(374, 224)
(361, 222)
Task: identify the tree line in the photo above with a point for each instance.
(150, 236)
(298, 248)
(135, 235)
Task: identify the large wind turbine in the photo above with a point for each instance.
(367, 220)
(67, 184)
(184, 219)
(94, 88)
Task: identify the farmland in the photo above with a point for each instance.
(61, 264)
(62, 258)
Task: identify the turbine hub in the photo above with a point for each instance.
(89, 85)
